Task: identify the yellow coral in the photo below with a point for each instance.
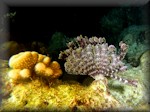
(56, 68)
(44, 69)
(41, 69)
(46, 61)
(23, 60)
(14, 74)
(18, 74)
(40, 57)
(49, 72)
(25, 73)
(57, 73)
(27, 63)
(55, 65)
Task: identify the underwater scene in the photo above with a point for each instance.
(75, 59)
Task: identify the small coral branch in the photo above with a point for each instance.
(94, 57)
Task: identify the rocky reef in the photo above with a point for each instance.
(9, 48)
(59, 96)
(137, 38)
(119, 18)
(83, 56)
(31, 81)
(134, 98)
(32, 85)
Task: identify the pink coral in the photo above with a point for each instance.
(93, 57)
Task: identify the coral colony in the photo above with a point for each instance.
(93, 57)
(25, 64)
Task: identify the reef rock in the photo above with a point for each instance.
(134, 98)
(39, 95)
(137, 38)
(9, 48)
(60, 96)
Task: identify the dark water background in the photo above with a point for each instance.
(39, 23)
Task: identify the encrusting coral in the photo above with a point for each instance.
(61, 96)
(26, 64)
(93, 57)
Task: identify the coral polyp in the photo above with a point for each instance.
(93, 57)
